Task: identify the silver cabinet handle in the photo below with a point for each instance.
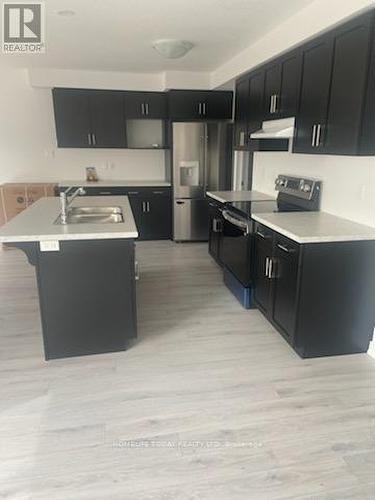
(158, 192)
(204, 108)
(242, 138)
(89, 139)
(136, 270)
(217, 226)
(267, 266)
(275, 103)
(148, 206)
(199, 108)
(313, 136)
(143, 206)
(93, 139)
(270, 269)
(285, 249)
(264, 236)
(133, 192)
(143, 108)
(271, 104)
(147, 108)
(318, 135)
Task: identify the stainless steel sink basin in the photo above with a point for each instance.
(93, 215)
(94, 210)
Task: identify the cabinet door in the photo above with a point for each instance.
(152, 214)
(185, 105)
(272, 86)
(107, 116)
(151, 105)
(241, 114)
(313, 106)
(349, 76)
(256, 101)
(72, 118)
(262, 281)
(215, 232)
(285, 286)
(291, 66)
(218, 105)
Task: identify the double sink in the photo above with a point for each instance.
(93, 215)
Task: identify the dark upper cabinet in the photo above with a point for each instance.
(89, 119)
(272, 90)
(72, 118)
(348, 85)
(241, 109)
(291, 65)
(146, 105)
(282, 80)
(200, 105)
(256, 101)
(314, 96)
(107, 119)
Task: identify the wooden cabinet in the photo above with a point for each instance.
(314, 97)
(200, 105)
(335, 71)
(151, 207)
(89, 119)
(241, 114)
(146, 105)
(282, 80)
(256, 101)
(152, 210)
(303, 291)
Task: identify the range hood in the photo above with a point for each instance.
(276, 129)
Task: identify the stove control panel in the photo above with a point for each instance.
(299, 187)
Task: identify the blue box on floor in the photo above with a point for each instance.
(243, 294)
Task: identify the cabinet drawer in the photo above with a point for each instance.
(262, 232)
(286, 246)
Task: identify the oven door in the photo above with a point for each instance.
(236, 246)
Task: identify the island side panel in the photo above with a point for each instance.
(87, 297)
(336, 313)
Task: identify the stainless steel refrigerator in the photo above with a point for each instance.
(202, 161)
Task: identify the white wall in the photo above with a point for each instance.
(348, 182)
(28, 149)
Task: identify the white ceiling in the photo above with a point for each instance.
(116, 35)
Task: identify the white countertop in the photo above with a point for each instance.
(228, 196)
(315, 227)
(102, 183)
(37, 223)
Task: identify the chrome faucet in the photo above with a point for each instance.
(65, 201)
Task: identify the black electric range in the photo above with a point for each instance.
(295, 194)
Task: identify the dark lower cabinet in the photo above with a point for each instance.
(151, 207)
(87, 296)
(319, 296)
(153, 214)
(215, 231)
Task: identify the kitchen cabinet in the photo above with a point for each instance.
(146, 105)
(215, 232)
(303, 291)
(152, 210)
(282, 80)
(151, 207)
(241, 110)
(314, 96)
(256, 102)
(335, 72)
(262, 291)
(89, 118)
(200, 105)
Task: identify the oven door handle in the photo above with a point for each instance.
(240, 223)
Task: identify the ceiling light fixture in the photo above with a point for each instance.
(66, 13)
(172, 49)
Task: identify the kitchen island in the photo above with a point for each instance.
(85, 273)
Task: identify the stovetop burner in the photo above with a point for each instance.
(295, 195)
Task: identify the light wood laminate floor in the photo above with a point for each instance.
(210, 403)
